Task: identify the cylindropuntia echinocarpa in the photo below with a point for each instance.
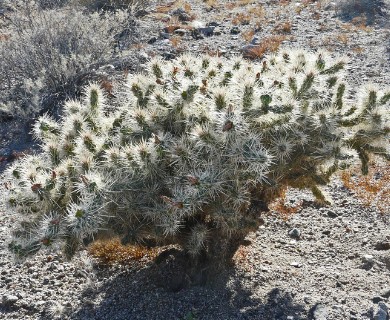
(192, 150)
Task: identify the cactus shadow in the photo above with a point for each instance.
(150, 293)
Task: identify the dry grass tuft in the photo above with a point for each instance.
(175, 41)
(248, 35)
(284, 27)
(109, 252)
(374, 188)
(241, 18)
(269, 44)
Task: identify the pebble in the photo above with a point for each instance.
(294, 233)
(296, 264)
(320, 312)
(382, 245)
(385, 293)
(377, 299)
(9, 299)
(180, 32)
(368, 258)
(235, 30)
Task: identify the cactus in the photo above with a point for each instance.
(192, 151)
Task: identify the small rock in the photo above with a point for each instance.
(385, 293)
(181, 14)
(377, 299)
(296, 264)
(331, 214)
(180, 32)
(152, 40)
(196, 34)
(320, 312)
(382, 245)
(206, 31)
(164, 35)
(217, 31)
(294, 233)
(213, 24)
(235, 30)
(9, 299)
(255, 41)
(368, 258)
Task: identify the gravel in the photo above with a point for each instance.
(322, 263)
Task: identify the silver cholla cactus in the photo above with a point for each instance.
(191, 150)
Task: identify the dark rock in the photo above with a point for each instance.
(206, 31)
(181, 14)
(180, 32)
(5, 116)
(197, 35)
(168, 55)
(213, 24)
(382, 245)
(152, 40)
(164, 35)
(255, 41)
(294, 233)
(9, 299)
(377, 299)
(235, 30)
(331, 214)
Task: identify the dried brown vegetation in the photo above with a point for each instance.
(284, 27)
(269, 44)
(109, 252)
(282, 208)
(374, 188)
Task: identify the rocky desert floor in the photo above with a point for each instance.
(329, 262)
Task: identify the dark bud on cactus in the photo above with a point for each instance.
(84, 179)
(193, 180)
(36, 187)
(46, 241)
(264, 66)
(55, 221)
(228, 126)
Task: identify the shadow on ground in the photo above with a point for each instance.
(146, 294)
(373, 10)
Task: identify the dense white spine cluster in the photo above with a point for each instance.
(190, 147)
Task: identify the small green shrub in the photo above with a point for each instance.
(192, 151)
